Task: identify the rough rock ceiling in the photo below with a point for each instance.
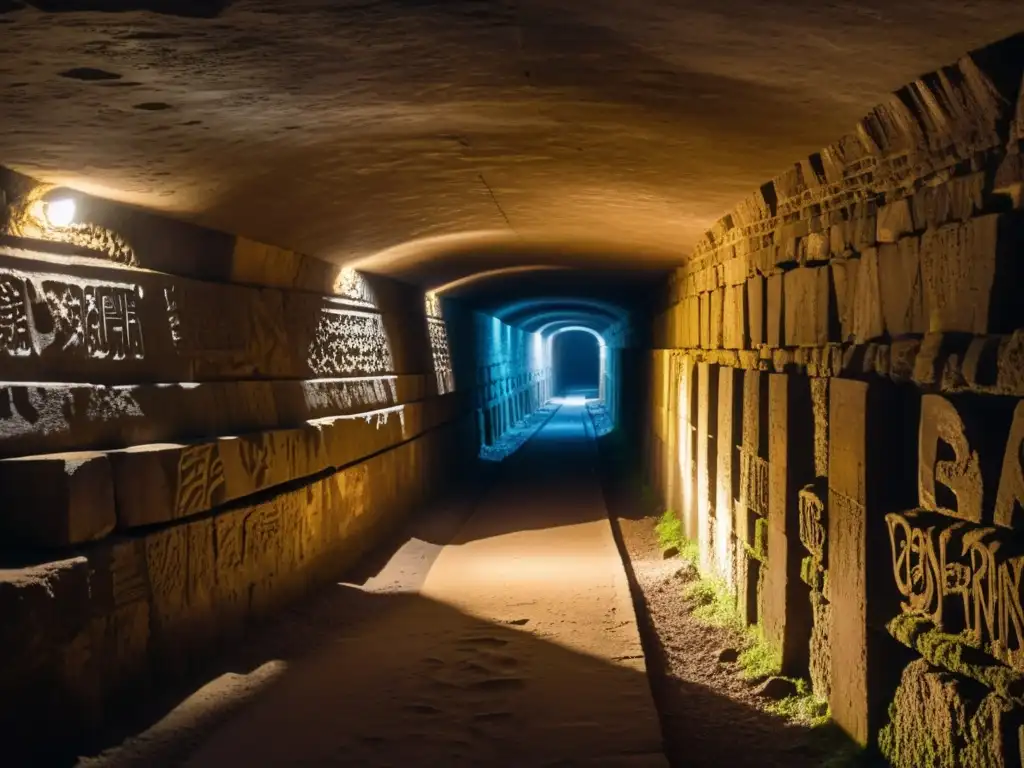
(370, 128)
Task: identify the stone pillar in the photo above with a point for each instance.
(868, 444)
(686, 453)
(786, 598)
(707, 460)
(751, 512)
(730, 429)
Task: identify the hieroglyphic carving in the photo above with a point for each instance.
(442, 355)
(959, 577)
(961, 475)
(173, 318)
(754, 482)
(432, 306)
(256, 454)
(200, 479)
(94, 318)
(812, 523)
(15, 336)
(349, 341)
(326, 394)
(1010, 497)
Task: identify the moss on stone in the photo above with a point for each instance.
(958, 654)
(936, 719)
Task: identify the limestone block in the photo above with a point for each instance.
(937, 718)
(705, 320)
(735, 271)
(56, 500)
(815, 247)
(894, 221)
(716, 311)
(787, 615)
(839, 241)
(821, 647)
(867, 319)
(691, 323)
(729, 433)
(756, 310)
(958, 265)
(706, 458)
(806, 306)
(902, 291)
(864, 226)
(734, 334)
(775, 327)
(844, 277)
(956, 200)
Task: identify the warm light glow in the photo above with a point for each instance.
(60, 213)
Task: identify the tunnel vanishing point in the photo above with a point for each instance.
(274, 276)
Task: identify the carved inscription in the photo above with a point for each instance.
(349, 341)
(200, 479)
(812, 523)
(962, 578)
(940, 423)
(173, 318)
(442, 355)
(94, 319)
(15, 337)
(754, 482)
(1011, 483)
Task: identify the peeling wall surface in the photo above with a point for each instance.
(853, 329)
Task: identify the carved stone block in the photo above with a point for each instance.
(894, 221)
(734, 334)
(958, 266)
(716, 310)
(56, 500)
(902, 289)
(729, 432)
(707, 461)
(844, 276)
(705, 320)
(867, 319)
(807, 306)
(775, 333)
(757, 310)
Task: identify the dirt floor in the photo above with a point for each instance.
(709, 715)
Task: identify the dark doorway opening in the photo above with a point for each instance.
(577, 364)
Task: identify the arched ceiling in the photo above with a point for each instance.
(432, 140)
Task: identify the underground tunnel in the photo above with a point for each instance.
(514, 384)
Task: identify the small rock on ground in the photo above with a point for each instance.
(728, 655)
(776, 688)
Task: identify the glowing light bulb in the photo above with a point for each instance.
(60, 213)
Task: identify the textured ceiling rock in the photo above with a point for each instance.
(392, 129)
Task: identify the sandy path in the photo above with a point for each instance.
(518, 648)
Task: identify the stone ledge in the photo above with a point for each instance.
(80, 635)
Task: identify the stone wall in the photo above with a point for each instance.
(836, 412)
(196, 429)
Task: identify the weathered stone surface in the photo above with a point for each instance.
(706, 461)
(844, 277)
(958, 265)
(894, 221)
(901, 286)
(807, 306)
(54, 418)
(867, 319)
(821, 647)
(757, 310)
(787, 619)
(775, 328)
(815, 248)
(936, 719)
(57, 499)
(716, 318)
(157, 483)
(729, 432)
(734, 333)
(705, 320)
